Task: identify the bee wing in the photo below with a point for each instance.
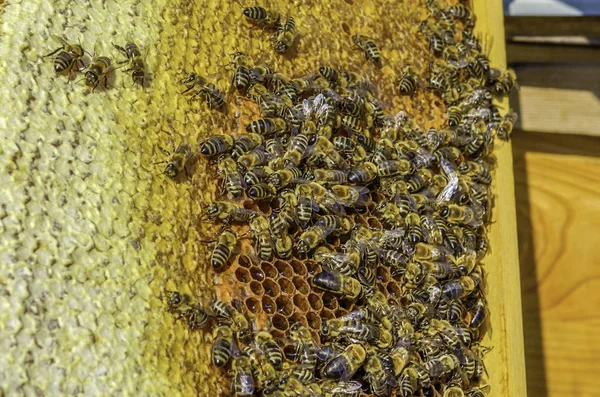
(347, 387)
(452, 187)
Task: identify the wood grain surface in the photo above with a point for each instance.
(558, 206)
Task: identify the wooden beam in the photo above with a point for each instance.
(552, 26)
(551, 53)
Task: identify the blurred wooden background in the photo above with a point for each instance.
(557, 181)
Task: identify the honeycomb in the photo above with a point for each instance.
(93, 234)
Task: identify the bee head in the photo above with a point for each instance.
(171, 171)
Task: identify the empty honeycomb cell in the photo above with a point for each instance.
(301, 303)
(256, 288)
(242, 275)
(290, 352)
(327, 314)
(244, 261)
(257, 274)
(287, 287)
(268, 305)
(284, 269)
(264, 206)
(330, 301)
(394, 290)
(301, 285)
(312, 267)
(316, 336)
(271, 288)
(313, 320)
(346, 304)
(315, 301)
(253, 305)
(284, 305)
(280, 322)
(269, 270)
(279, 337)
(383, 274)
(299, 268)
(298, 318)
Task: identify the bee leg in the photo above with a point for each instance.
(53, 52)
(121, 49)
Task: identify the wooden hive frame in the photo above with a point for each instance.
(93, 236)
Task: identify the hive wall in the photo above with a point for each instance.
(92, 233)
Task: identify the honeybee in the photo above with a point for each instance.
(457, 289)
(226, 243)
(312, 237)
(211, 94)
(463, 215)
(327, 177)
(262, 191)
(222, 343)
(270, 348)
(242, 74)
(408, 382)
(243, 381)
(347, 287)
(216, 144)
(306, 347)
(351, 196)
(441, 366)
(259, 226)
(96, 70)
(254, 158)
(506, 125)
(136, 63)
(365, 173)
(261, 16)
(267, 126)
(69, 55)
(228, 212)
(263, 371)
(297, 150)
(305, 204)
(233, 180)
(502, 82)
(283, 246)
(345, 365)
(380, 380)
(408, 81)
(391, 168)
(177, 161)
(426, 252)
(245, 143)
(478, 313)
(285, 35)
(369, 46)
(455, 116)
(225, 313)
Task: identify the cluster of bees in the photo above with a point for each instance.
(355, 189)
(68, 59)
